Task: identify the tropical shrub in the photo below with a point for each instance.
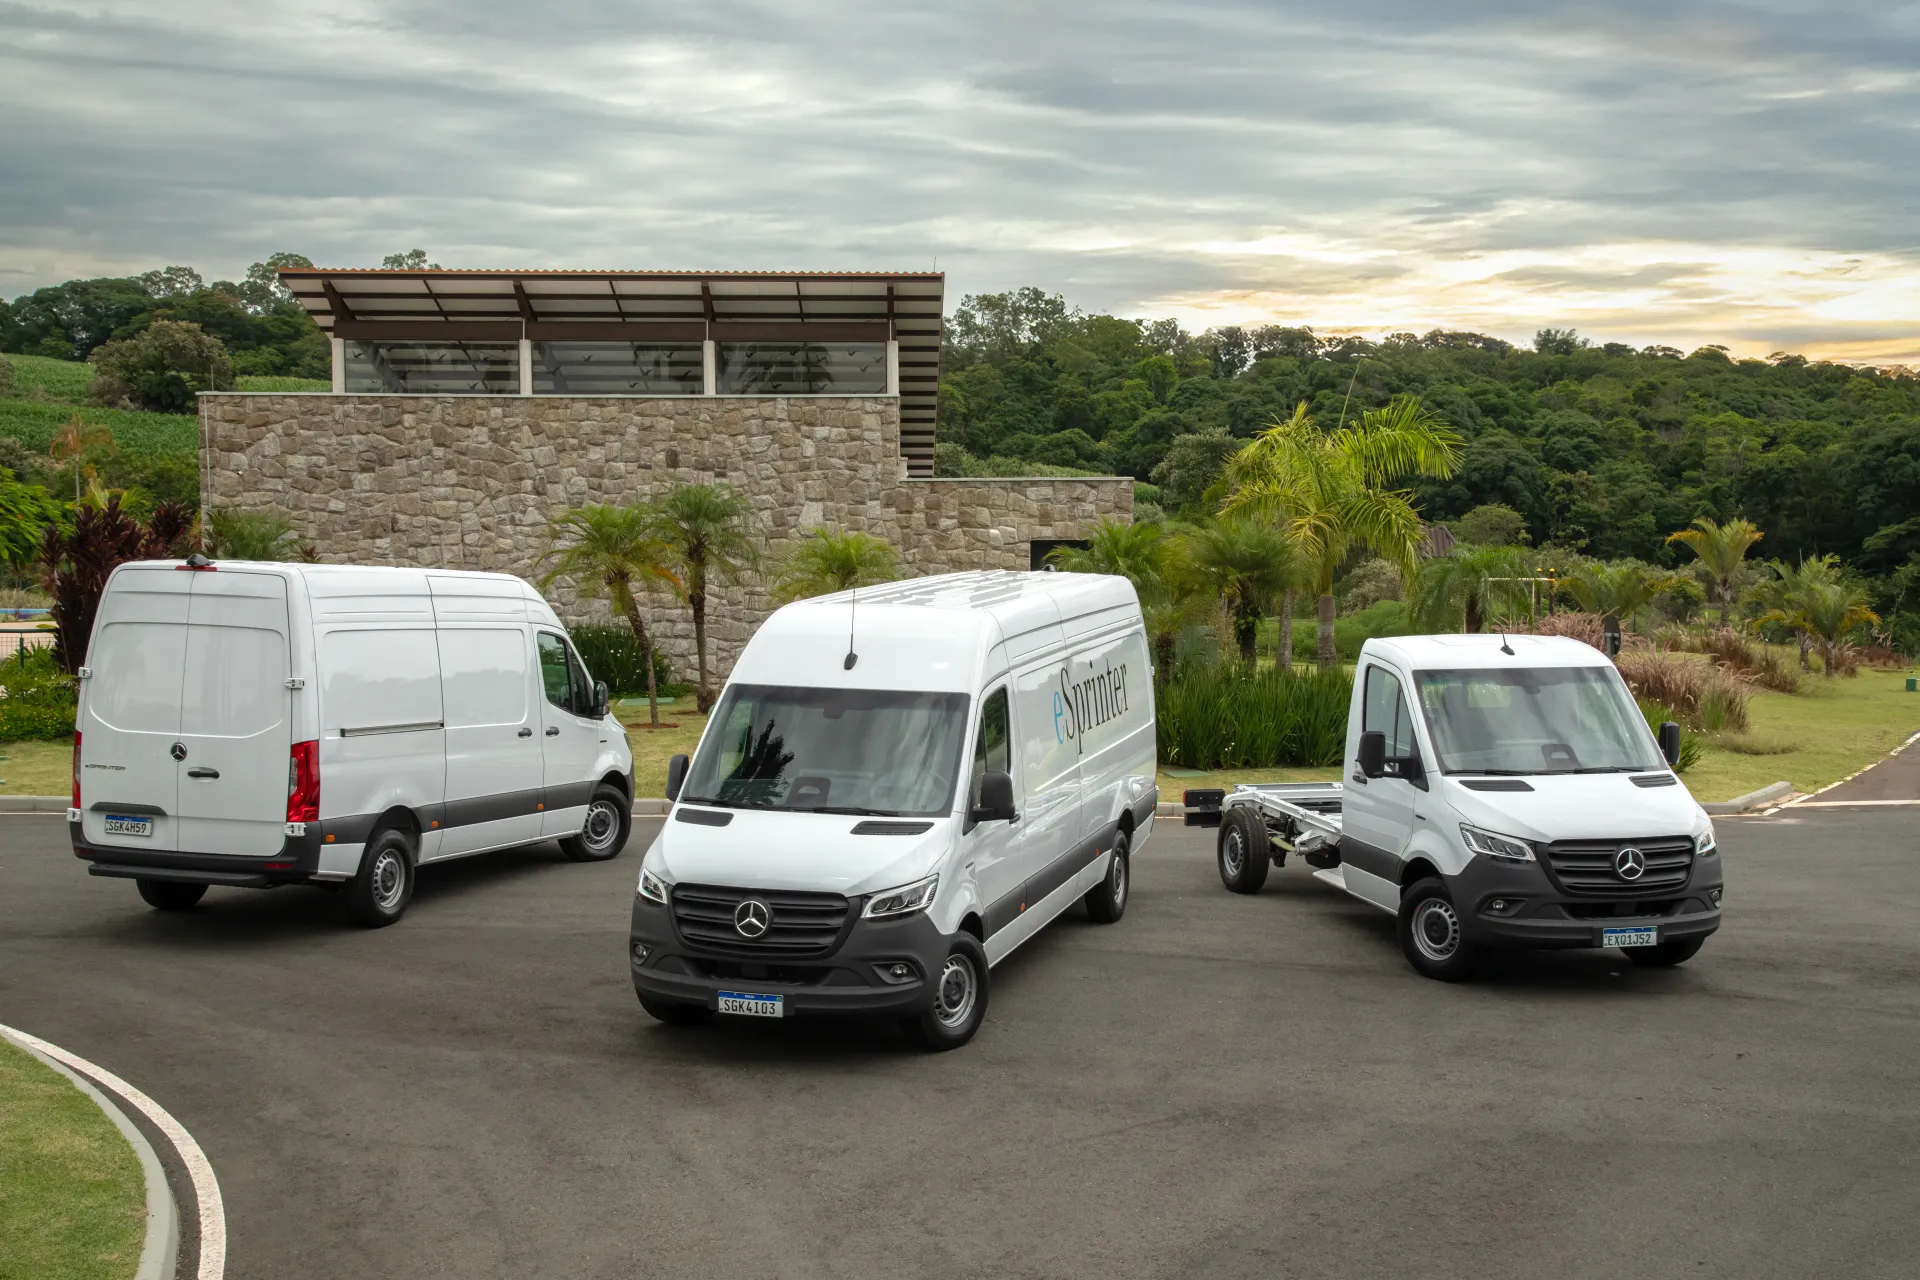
(1217, 716)
(1387, 618)
(1735, 652)
(612, 655)
(1701, 694)
(1588, 628)
(37, 698)
(252, 535)
(1690, 745)
(161, 368)
(77, 561)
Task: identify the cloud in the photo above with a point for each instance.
(1678, 172)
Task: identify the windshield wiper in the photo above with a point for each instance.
(1613, 768)
(850, 810)
(1492, 773)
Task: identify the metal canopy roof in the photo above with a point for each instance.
(649, 306)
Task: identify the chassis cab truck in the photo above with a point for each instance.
(253, 724)
(1500, 792)
(893, 792)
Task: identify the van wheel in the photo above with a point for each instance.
(378, 895)
(1107, 901)
(1431, 933)
(1665, 955)
(676, 1013)
(170, 895)
(604, 834)
(1244, 852)
(959, 999)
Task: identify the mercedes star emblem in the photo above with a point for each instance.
(1630, 863)
(753, 918)
(179, 751)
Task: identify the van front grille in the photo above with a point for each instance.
(798, 925)
(1591, 867)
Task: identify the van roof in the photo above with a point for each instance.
(1457, 652)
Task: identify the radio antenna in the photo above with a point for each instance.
(853, 603)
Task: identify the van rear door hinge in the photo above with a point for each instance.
(296, 683)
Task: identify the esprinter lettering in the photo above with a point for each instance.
(1088, 704)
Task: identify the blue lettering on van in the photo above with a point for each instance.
(1089, 703)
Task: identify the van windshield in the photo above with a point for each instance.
(1523, 720)
(830, 751)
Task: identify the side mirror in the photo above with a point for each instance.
(996, 800)
(676, 776)
(602, 703)
(1373, 753)
(1670, 741)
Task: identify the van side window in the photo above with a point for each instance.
(991, 751)
(582, 687)
(554, 675)
(1386, 711)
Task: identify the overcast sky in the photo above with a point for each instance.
(1679, 172)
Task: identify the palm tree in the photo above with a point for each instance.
(1244, 565)
(826, 562)
(1468, 587)
(1722, 550)
(1616, 592)
(612, 551)
(1824, 612)
(1329, 488)
(709, 532)
(252, 535)
(1779, 596)
(1137, 552)
(76, 439)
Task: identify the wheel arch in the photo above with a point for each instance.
(404, 820)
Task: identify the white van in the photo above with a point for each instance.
(897, 788)
(261, 724)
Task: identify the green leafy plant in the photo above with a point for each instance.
(1246, 567)
(37, 697)
(710, 534)
(1220, 716)
(1469, 588)
(1722, 551)
(251, 535)
(617, 553)
(613, 654)
(825, 562)
(161, 368)
(1691, 747)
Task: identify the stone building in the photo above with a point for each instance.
(470, 407)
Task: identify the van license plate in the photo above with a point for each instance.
(120, 825)
(1629, 937)
(751, 1005)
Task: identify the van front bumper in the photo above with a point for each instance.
(1518, 905)
(298, 859)
(853, 978)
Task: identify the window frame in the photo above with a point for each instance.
(1003, 691)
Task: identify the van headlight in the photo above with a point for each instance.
(1703, 845)
(1505, 848)
(653, 888)
(908, 898)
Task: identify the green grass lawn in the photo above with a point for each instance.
(73, 1205)
(1831, 728)
(680, 726)
(36, 768)
(38, 377)
(273, 382)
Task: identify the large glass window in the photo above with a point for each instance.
(1385, 712)
(617, 369)
(438, 369)
(802, 368)
(1535, 720)
(990, 751)
(831, 751)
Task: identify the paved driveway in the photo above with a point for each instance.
(1217, 1086)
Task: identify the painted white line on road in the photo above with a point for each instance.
(1850, 804)
(206, 1188)
(1810, 798)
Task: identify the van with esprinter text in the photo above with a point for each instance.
(254, 724)
(897, 787)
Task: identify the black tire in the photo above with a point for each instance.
(1107, 901)
(1431, 933)
(1665, 955)
(959, 999)
(604, 834)
(379, 893)
(170, 895)
(1243, 850)
(676, 1013)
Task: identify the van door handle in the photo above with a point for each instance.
(553, 731)
(203, 773)
(526, 733)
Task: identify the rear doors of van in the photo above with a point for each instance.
(186, 722)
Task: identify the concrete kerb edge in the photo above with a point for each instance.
(1752, 800)
(160, 1251)
(34, 804)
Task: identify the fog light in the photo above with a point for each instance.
(895, 972)
(1714, 894)
(639, 953)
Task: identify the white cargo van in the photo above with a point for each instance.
(260, 724)
(895, 791)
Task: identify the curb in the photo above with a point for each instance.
(651, 807)
(161, 1250)
(34, 804)
(1752, 800)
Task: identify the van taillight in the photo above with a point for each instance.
(76, 768)
(303, 783)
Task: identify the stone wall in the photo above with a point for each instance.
(470, 482)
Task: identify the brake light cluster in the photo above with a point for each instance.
(303, 783)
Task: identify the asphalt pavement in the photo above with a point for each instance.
(1217, 1086)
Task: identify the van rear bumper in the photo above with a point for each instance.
(846, 981)
(298, 859)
